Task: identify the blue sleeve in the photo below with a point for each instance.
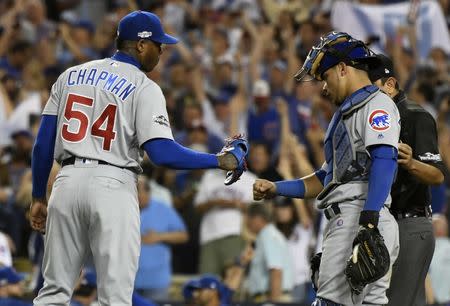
(168, 153)
(42, 156)
(291, 189)
(381, 176)
(438, 198)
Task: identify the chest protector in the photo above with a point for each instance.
(344, 163)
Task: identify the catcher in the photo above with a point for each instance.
(361, 238)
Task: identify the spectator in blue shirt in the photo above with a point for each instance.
(11, 288)
(270, 274)
(207, 290)
(16, 58)
(160, 227)
(263, 124)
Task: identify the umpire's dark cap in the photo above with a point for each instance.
(143, 25)
(385, 69)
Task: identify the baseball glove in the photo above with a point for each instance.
(370, 259)
(238, 147)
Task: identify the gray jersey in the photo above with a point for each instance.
(106, 110)
(377, 122)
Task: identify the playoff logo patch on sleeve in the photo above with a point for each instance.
(161, 120)
(379, 120)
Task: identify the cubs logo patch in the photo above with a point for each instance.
(379, 120)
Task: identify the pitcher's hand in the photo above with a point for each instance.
(38, 215)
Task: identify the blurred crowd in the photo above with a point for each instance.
(231, 73)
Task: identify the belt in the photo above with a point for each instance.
(71, 161)
(414, 213)
(331, 211)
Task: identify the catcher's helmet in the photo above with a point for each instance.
(335, 47)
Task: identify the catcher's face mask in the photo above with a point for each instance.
(333, 48)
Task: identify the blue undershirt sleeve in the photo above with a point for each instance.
(168, 153)
(291, 189)
(42, 156)
(381, 177)
(321, 175)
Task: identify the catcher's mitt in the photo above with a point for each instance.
(370, 259)
(238, 147)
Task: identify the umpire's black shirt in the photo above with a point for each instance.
(418, 130)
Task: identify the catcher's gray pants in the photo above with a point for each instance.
(409, 271)
(92, 208)
(337, 248)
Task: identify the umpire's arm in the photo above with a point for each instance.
(422, 159)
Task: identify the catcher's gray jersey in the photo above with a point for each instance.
(106, 110)
(368, 117)
(376, 122)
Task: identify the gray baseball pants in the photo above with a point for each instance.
(337, 248)
(92, 208)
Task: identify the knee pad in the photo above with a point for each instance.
(324, 302)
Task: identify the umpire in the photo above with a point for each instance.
(420, 166)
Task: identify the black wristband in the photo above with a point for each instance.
(369, 217)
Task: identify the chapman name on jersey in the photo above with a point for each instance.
(119, 86)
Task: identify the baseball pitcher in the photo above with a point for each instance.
(99, 118)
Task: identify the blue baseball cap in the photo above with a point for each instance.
(189, 288)
(89, 278)
(209, 281)
(143, 25)
(9, 276)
